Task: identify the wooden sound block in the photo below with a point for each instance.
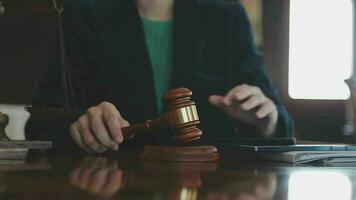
(180, 153)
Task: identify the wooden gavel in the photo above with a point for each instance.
(181, 117)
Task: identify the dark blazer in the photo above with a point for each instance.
(213, 51)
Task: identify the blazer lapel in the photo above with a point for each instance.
(131, 55)
(129, 28)
(188, 43)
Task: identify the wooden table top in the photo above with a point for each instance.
(117, 177)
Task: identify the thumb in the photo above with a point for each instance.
(217, 101)
(124, 122)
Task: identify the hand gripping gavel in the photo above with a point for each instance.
(181, 117)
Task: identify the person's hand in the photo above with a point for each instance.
(97, 176)
(248, 104)
(99, 129)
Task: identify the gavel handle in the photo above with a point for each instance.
(55, 114)
(132, 130)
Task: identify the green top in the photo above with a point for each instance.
(158, 36)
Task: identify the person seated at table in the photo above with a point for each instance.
(125, 54)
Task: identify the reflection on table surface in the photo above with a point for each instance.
(74, 177)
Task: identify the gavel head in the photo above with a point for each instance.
(181, 115)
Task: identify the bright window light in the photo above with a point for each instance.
(321, 52)
(311, 185)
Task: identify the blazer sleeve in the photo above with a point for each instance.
(249, 68)
(79, 40)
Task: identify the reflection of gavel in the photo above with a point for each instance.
(181, 117)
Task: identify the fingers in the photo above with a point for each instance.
(253, 102)
(249, 104)
(266, 109)
(81, 134)
(240, 93)
(74, 176)
(112, 119)
(75, 134)
(251, 96)
(98, 177)
(217, 101)
(269, 112)
(242, 100)
(88, 137)
(99, 130)
(98, 180)
(84, 177)
(114, 182)
(123, 122)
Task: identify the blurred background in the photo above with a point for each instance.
(308, 46)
